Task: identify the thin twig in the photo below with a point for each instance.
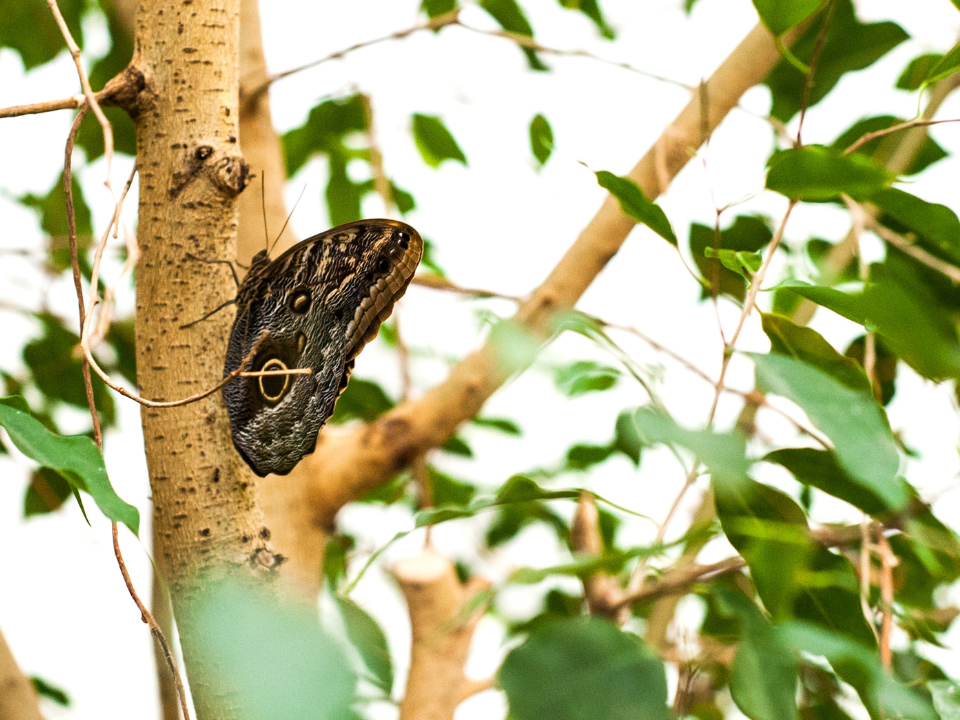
(380, 181)
(70, 103)
(450, 18)
(152, 623)
(866, 546)
(91, 99)
(899, 127)
(239, 372)
(887, 562)
(145, 614)
(812, 67)
(672, 582)
(436, 282)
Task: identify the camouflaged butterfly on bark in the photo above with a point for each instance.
(319, 302)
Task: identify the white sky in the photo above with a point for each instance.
(499, 224)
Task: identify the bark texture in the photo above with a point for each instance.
(442, 630)
(208, 523)
(18, 700)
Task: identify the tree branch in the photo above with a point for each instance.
(350, 461)
(18, 699)
(442, 632)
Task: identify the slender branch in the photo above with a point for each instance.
(436, 282)
(887, 562)
(812, 67)
(677, 580)
(436, 23)
(88, 360)
(152, 623)
(239, 372)
(91, 99)
(70, 103)
(899, 127)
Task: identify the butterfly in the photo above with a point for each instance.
(316, 306)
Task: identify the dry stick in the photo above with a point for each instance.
(380, 181)
(88, 93)
(18, 698)
(899, 127)
(70, 103)
(145, 614)
(679, 579)
(436, 23)
(436, 282)
(887, 562)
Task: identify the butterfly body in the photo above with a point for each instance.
(315, 307)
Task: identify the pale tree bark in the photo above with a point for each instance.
(18, 699)
(208, 523)
(442, 622)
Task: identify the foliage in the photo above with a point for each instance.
(785, 636)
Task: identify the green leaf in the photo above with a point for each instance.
(820, 469)
(795, 577)
(723, 454)
(946, 698)
(508, 427)
(76, 457)
(763, 679)
(272, 659)
(782, 15)
(917, 70)
(585, 376)
(447, 490)
(367, 637)
(859, 666)
(591, 9)
(50, 691)
(52, 211)
(935, 224)
(541, 139)
(511, 18)
(743, 263)
(852, 419)
(807, 345)
(850, 45)
(29, 28)
(456, 445)
(626, 437)
(327, 125)
(947, 66)
(435, 8)
(848, 305)
(747, 234)
(882, 149)
(583, 668)
(48, 490)
(362, 400)
(434, 141)
(58, 372)
(635, 204)
(913, 323)
(343, 196)
(816, 173)
(583, 457)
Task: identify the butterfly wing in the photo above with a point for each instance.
(315, 307)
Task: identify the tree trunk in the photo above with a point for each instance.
(208, 522)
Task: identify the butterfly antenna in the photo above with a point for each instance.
(209, 314)
(285, 222)
(263, 208)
